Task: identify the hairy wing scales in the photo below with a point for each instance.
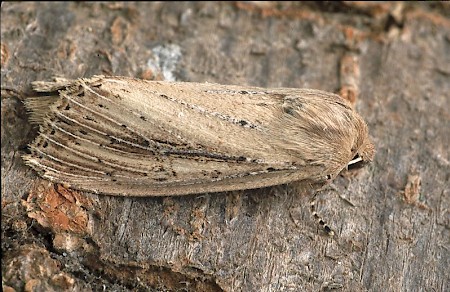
(100, 138)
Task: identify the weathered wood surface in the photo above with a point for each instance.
(391, 59)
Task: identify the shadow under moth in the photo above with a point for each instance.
(129, 137)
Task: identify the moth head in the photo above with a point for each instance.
(363, 155)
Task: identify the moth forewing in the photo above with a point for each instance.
(131, 137)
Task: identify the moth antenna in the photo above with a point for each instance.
(319, 219)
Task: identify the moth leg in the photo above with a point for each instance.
(318, 218)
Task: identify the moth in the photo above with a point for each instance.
(130, 137)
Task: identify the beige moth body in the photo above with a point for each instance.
(131, 137)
